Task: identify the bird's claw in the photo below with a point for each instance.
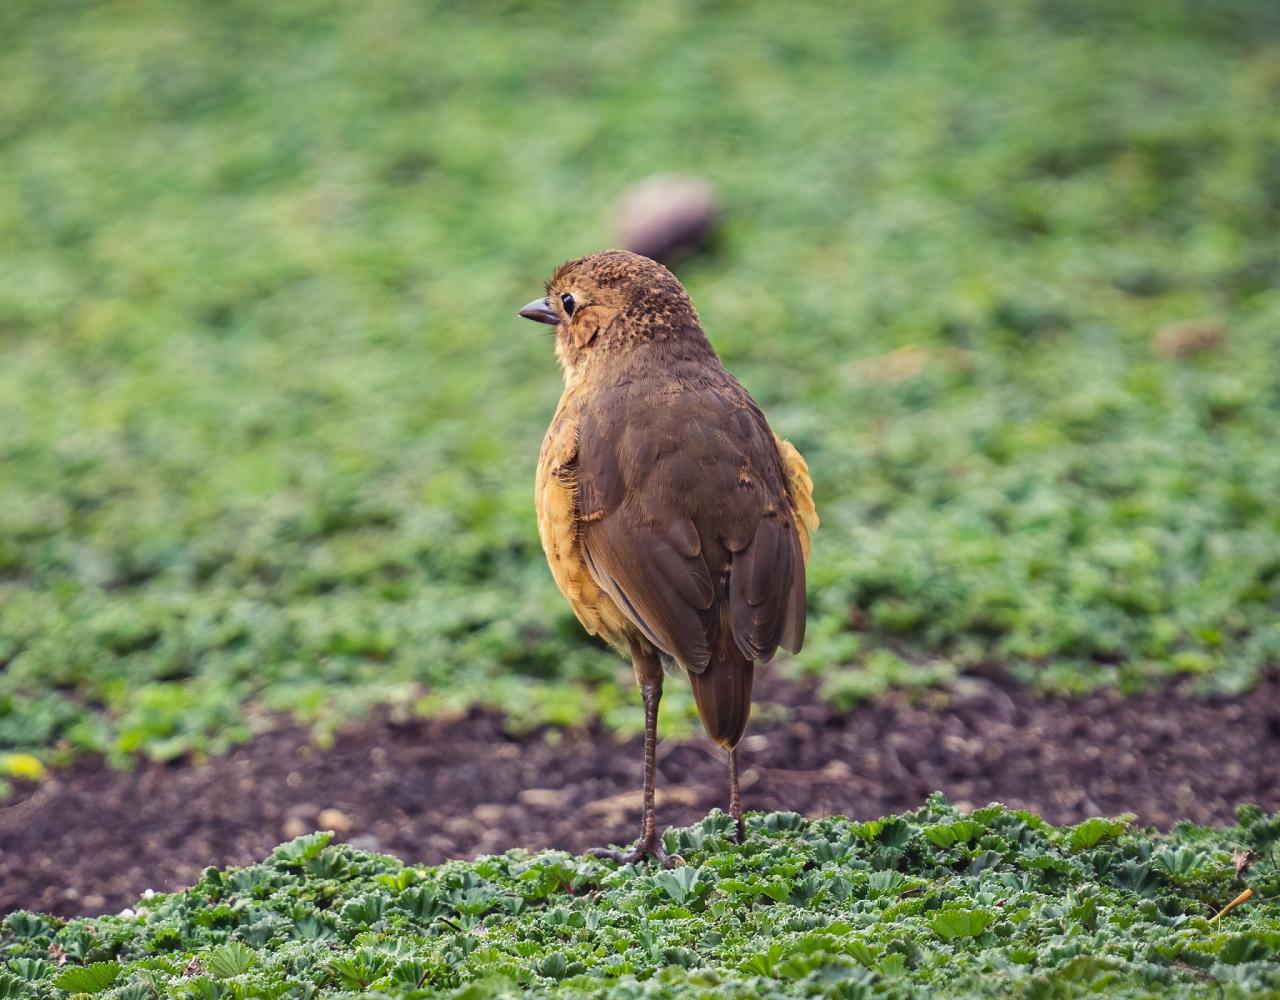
(643, 849)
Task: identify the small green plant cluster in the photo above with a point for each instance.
(992, 903)
(268, 423)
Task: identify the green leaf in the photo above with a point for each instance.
(31, 968)
(884, 881)
(365, 910)
(946, 834)
(896, 833)
(88, 978)
(25, 924)
(953, 924)
(228, 960)
(1093, 831)
(863, 952)
(679, 883)
(1180, 863)
(304, 848)
(361, 968)
(778, 890)
(554, 966)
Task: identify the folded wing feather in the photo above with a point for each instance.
(687, 503)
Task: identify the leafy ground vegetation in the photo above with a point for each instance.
(268, 422)
(991, 903)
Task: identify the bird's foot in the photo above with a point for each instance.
(644, 848)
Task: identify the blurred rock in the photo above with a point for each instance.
(295, 826)
(489, 813)
(668, 217)
(335, 820)
(545, 798)
(1197, 336)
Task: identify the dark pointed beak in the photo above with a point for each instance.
(540, 311)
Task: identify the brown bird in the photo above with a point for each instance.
(675, 521)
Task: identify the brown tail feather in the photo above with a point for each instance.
(723, 694)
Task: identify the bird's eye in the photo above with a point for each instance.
(567, 300)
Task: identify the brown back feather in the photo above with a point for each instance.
(686, 521)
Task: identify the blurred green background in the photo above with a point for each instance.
(1005, 272)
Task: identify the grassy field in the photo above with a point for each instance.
(268, 421)
(932, 903)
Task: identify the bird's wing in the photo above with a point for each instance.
(640, 544)
(686, 521)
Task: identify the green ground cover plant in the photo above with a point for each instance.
(934, 902)
(268, 422)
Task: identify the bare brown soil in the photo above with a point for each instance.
(90, 839)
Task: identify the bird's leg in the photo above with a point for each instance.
(735, 797)
(649, 673)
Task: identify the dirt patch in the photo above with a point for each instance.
(90, 839)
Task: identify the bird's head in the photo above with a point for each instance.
(617, 304)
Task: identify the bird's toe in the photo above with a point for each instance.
(643, 849)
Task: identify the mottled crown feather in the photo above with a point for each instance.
(623, 270)
(652, 302)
